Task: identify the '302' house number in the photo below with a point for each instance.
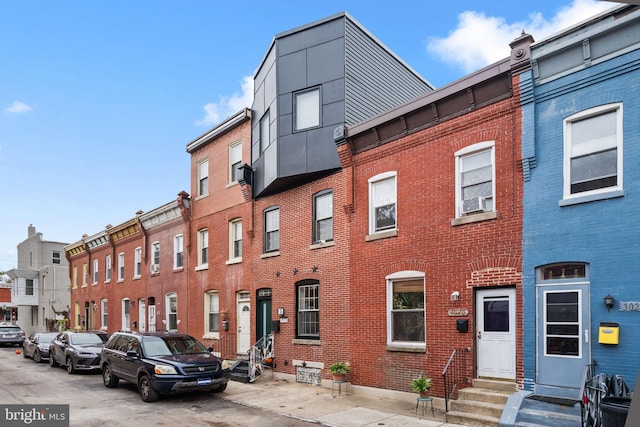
(630, 306)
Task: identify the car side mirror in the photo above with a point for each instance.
(132, 353)
(210, 349)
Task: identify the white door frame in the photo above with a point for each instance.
(495, 334)
(243, 313)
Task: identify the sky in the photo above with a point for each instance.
(98, 99)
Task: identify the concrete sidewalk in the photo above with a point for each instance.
(351, 407)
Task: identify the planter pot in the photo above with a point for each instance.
(339, 377)
(424, 394)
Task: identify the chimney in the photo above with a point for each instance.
(31, 230)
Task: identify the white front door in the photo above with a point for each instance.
(152, 318)
(142, 315)
(244, 327)
(496, 333)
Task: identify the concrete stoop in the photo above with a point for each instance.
(482, 404)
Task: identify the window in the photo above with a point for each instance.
(96, 263)
(382, 202)
(235, 160)
(107, 268)
(213, 317)
(593, 151)
(308, 306)
(178, 251)
(55, 257)
(28, 290)
(323, 216)
(74, 277)
(172, 312)
(85, 274)
(265, 136)
(103, 312)
(126, 314)
(137, 262)
(120, 266)
(203, 178)
(155, 257)
(203, 247)
(272, 230)
(405, 308)
(235, 239)
(306, 109)
(475, 177)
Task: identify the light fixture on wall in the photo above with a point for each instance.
(281, 311)
(132, 302)
(608, 301)
(455, 296)
(95, 306)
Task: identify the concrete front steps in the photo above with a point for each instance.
(482, 404)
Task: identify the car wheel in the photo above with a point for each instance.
(220, 389)
(70, 368)
(109, 379)
(52, 360)
(147, 393)
(36, 356)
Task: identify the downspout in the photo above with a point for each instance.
(184, 202)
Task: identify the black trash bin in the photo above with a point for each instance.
(614, 411)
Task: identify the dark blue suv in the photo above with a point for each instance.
(162, 363)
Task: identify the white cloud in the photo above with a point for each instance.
(18, 107)
(480, 40)
(214, 112)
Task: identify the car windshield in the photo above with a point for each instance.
(13, 329)
(80, 339)
(166, 346)
(47, 337)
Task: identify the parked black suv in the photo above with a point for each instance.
(162, 363)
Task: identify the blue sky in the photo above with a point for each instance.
(98, 99)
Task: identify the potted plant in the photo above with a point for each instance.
(421, 385)
(339, 370)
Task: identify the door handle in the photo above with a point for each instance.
(479, 334)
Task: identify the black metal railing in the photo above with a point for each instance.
(224, 347)
(260, 356)
(454, 374)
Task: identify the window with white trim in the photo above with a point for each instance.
(107, 268)
(406, 309)
(96, 263)
(172, 312)
(85, 274)
(104, 313)
(475, 179)
(126, 314)
(307, 110)
(203, 177)
(235, 239)
(272, 229)
(178, 251)
(308, 310)
(593, 151)
(137, 262)
(120, 266)
(212, 302)
(203, 247)
(55, 257)
(235, 160)
(382, 202)
(323, 216)
(155, 257)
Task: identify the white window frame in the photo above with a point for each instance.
(171, 310)
(307, 110)
(460, 155)
(592, 147)
(203, 178)
(320, 217)
(121, 267)
(307, 303)
(271, 228)
(235, 160)
(126, 314)
(104, 313)
(212, 305)
(137, 263)
(96, 264)
(55, 257)
(203, 248)
(178, 251)
(235, 237)
(85, 274)
(107, 268)
(155, 256)
(396, 277)
(374, 203)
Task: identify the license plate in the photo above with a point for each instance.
(204, 381)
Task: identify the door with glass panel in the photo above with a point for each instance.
(496, 333)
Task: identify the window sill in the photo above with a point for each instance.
(231, 184)
(202, 267)
(120, 281)
(106, 282)
(136, 277)
(94, 284)
(270, 254)
(381, 235)
(202, 196)
(468, 219)
(591, 198)
(178, 269)
(321, 245)
(415, 348)
(305, 341)
(234, 261)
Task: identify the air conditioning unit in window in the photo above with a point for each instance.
(155, 268)
(474, 205)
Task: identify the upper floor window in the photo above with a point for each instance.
(107, 268)
(203, 247)
(235, 239)
(265, 135)
(212, 303)
(475, 178)
(85, 274)
(155, 254)
(96, 263)
(308, 307)
(382, 202)
(203, 177)
(103, 312)
(137, 262)
(74, 277)
(272, 229)
(28, 287)
(55, 257)
(235, 160)
(323, 216)
(306, 106)
(593, 151)
(172, 312)
(406, 309)
(178, 251)
(120, 266)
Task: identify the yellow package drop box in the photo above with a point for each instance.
(609, 333)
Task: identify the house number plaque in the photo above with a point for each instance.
(308, 375)
(630, 306)
(458, 312)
